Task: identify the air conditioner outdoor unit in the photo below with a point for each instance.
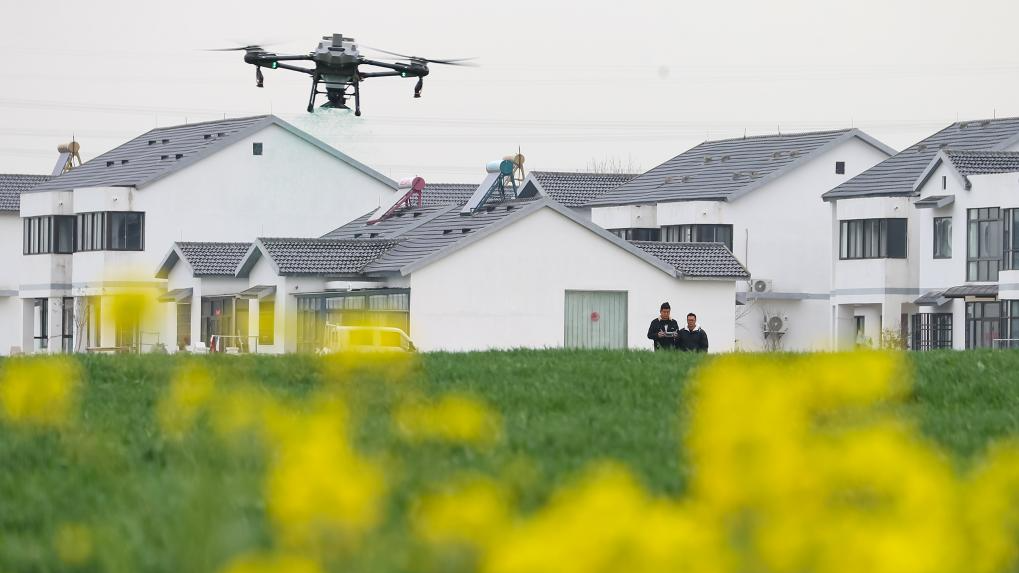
(758, 286)
(776, 324)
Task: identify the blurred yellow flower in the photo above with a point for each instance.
(39, 391)
(453, 418)
(471, 509)
(272, 563)
(321, 492)
(190, 390)
(73, 543)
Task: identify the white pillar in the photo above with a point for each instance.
(28, 325)
(55, 324)
(196, 315)
(844, 327)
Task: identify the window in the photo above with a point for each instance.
(126, 231)
(266, 321)
(53, 234)
(984, 324)
(111, 231)
(983, 244)
(67, 324)
(183, 325)
(698, 234)
(390, 307)
(932, 331)
(42, 324)
(861, 325)
(872, 239)
(637, 234)
(1011, 238)
(944, 182)
(942, 237)
(840, 167)
(256, 148)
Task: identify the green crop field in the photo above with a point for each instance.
(149, 501)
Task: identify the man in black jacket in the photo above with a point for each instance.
(663, 330)
(692, 338)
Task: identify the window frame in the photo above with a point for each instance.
(94, 231)
(975, 263)
(695, 233)
(41, 235)
(935, 253)
(862, 239)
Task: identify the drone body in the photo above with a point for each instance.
(337, 62)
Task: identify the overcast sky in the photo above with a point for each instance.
(634, 82)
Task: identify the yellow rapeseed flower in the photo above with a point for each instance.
(272, 563)
(190, 390)
(453, 418)
(73, 543)
(39, 391)
(470, 510)
(320, 491)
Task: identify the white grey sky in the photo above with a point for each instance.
(568, 82)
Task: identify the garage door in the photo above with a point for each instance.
(595, 319)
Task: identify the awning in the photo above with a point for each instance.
(932, 298)
(935, 202)
(258, 292)
(176, 295)
(972, 290)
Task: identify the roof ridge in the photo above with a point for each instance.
(327, 240)
(990, 120)
(585, 173)
(780, 135)
(951, 151)
(210, 122)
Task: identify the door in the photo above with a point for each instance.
(595, 319)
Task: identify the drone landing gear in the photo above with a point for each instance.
(337, 97)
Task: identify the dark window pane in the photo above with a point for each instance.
(896, 238)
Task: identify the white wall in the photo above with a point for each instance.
(490, 296)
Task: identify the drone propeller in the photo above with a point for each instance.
(448, 62)
(251, 48)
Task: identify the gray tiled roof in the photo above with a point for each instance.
(896, 175)
(971, 290)
(724, 170)
(441, 231)
(213, 259)
(983, 162)
(11, 187)
(147, 158)
(574, 189)
(447, 193)
(323, 256)
(392, 226)
(698, 260)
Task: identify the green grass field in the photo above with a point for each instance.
(154, 504)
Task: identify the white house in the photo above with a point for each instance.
(98, 230)
(761, 197)
(969, 277)
(524, 272)
(11, 188)
(889, 264)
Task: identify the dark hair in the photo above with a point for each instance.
(691, 314)
(665, 305)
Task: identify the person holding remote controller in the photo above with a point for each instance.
(664, 330)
